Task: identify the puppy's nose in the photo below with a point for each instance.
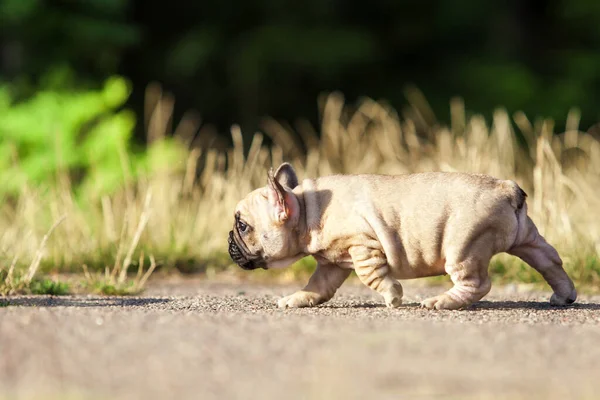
(248, 266)
(237, 256)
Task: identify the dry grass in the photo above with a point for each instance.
(186, 219)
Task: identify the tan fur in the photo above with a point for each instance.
(401, 227)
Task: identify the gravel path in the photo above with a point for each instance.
(207, 340)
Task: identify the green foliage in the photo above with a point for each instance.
(17, 10)
(88, 36)
(66, 131)
(109, 289)
(15, 282)
(238, 61)
(83, 134)
(48, 286)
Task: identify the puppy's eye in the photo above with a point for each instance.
(242, 226)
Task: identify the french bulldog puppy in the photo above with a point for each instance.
(392, 227)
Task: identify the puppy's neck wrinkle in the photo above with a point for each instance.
(312, 210)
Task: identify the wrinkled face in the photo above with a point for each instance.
(264, 221)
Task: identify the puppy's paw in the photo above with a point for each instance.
(558, 300)
(300, 299)
(393, 302)
(442, 302)
(393, 298)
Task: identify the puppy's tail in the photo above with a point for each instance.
(516, 195)
(516, 198)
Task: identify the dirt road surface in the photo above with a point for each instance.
(210, 340)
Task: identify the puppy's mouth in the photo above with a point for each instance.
(241, 256)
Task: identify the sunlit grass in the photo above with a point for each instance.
(50, 287)
(181, 213)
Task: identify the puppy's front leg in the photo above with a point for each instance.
(321, 287)
(373, 270)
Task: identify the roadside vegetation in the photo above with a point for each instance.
(80, 199)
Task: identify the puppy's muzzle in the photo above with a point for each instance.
(237, 255)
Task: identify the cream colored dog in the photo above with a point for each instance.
(392, 227)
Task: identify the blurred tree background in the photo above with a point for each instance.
(238, 61)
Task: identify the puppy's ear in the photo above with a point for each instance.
(286, 176)
(279, 199)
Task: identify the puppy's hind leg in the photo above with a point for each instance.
(471, 283)
(373, 270)
(321, 287)
(535, 251)
(468, 267)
